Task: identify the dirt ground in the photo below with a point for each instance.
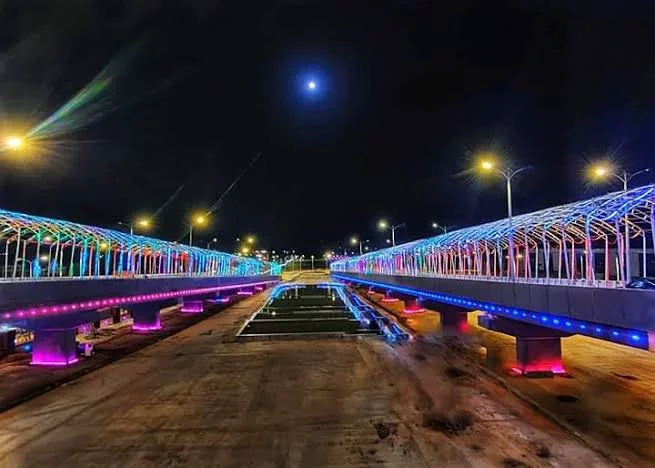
(200, 398)
(607, 396)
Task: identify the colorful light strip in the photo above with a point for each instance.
(100, 303)
(625, 336)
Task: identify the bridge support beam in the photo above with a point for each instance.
(454, 322)
(454, 319)
(192, 306)
(246, 291)
(146, 317)
(413, 306)
(7, 342)
(538, 349)
(541, 355)
(54, 347)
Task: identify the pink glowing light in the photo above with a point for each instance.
(132, 299)
(413, 309)
(553, 365)
(390, 299)
(146, 327)
(55, 363)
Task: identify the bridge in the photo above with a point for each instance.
(57, 275)
(539, 276)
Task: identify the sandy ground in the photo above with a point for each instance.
(608, 396)
(199, 398)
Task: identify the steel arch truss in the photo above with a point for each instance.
(582, 243)
(35, 247)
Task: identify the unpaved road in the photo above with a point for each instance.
(201, 399)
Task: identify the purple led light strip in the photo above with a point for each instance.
(146, 327)
(114, 301)
(54, 363)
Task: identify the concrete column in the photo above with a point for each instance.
(413, 306)
(7, 342)
(192, 306)
(454, 322)
(54, 347)
(536, 356)
(116, 315)
(146, 317)
(538, 349)
(219, 298)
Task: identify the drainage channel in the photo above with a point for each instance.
(297, 310)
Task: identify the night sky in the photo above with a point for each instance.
(407, 92)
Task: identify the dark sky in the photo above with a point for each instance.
(409, 90)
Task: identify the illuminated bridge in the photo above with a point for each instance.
(57, 275)
(571, 266)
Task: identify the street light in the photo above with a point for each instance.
(488, 164)
(143, 223)
(436, 225)
(384, 225)
(603, 171)
(13, 142)
(213, 241)
(354, 240)
(196, 220)
(250, 239)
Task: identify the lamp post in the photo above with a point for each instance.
(354, 240)
(436, 225)
(384, 225)
(508, 173)
(213, 241)
(143, 223)
(197, 220)
(604, 171)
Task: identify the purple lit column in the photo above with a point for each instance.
(146, 317)
(192, 306)
(54, 347)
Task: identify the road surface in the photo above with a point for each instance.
(199, 398)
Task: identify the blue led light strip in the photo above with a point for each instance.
(624, 336)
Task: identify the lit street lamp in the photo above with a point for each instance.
(436, 225)
(197, 220)
(489, 165)
(603, 171)
(213, 241)
(13, 142)
(354, 240)
(383, 225)
(143, 223)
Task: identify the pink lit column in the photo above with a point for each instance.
(146, 317)
(192, 306)
(54, 347)
(536, 355)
